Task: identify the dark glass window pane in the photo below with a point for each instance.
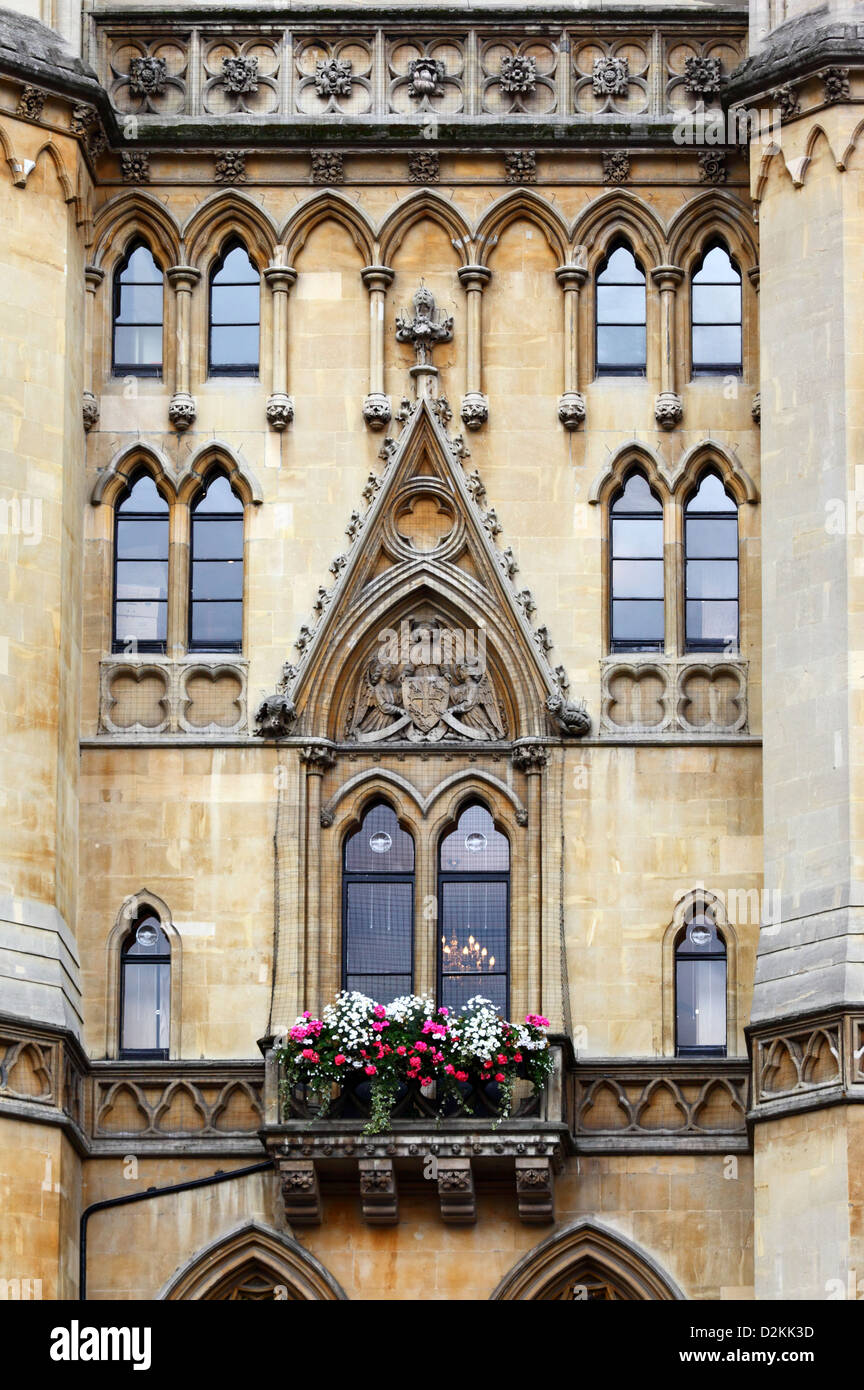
(217, 579)
(234, 304)
(141, 268)
(701, 1003)
(712, 622)
(141, 622)
(378, 922)
(711, 496)
(456, 990)
(142, 540)
(620, 347)
(142, 579)
(380, 846)
(638, 579)
(633, 538)
(146, 1012)
(219, 623)
(475, 846)
(234, 347)
(637, 496)
(144, 497)
(382, 988)
(620, 304)
(720, 346)
(621, 268)
(712, 579)
(217, 540)
(219, 497)
(236, 268)
(138, 347)
(473, 926)
(712, 539)
(637, 622)
(140, 304)
(716, 304)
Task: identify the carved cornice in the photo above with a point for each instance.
(804, 47)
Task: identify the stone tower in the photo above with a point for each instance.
(805, 67)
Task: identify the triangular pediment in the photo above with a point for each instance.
(424, 636)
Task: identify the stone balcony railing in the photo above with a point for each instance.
(649, 697)
(150, 695)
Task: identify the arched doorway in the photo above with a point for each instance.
(587, 1263)
(252, 1264)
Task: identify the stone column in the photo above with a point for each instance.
(280, 406)
(182, 410)
(321, 944)
(571, 405)
(531, 758)
(93, 278)
(475, 406)
(668, 408)
(377, 410)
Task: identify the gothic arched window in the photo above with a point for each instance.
(474, 912)
(700, 987)
(711, 567)
(141, 568)
(636, 568)
(378, 907)
(621, 331)
(137, 336)
(715, 312)
(145, 989)
(235, 313)
(216, 569)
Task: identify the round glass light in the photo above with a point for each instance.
(147, 935)
(380, 842)
(700, 932)
(475, 842)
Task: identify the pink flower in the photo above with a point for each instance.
(309, 1054)
(340, 1059)
(499, 1076)
(517, 1056)
(443, 1011)
(537, 1020)
(370, 1070)
(402, 1049)
(450, 1070)
(425, 1080)
(379, 1011)
(501, 1058)
(420, 1047)
(378, 1027)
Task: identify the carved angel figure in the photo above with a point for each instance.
(473, 703)
(378, 701)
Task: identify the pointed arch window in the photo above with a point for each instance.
(474, 912)
(216, 569)
(700, 987)
(715, 308)
(141, 569)
(235, 313)
(636, 565)
(138, 311)
(621, 342)
(378, 907)
(145, 989)
(711, 567)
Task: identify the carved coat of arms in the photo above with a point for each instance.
(425, 699)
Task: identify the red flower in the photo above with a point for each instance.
(461, 1076)
(425, 1080)
(501, 1058)
(487, 1065)
(340, 1059)
(450, 1070)
(499, 1076)
(517, 1056)
(370, 1070)
(402, 1049)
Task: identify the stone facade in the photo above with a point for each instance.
(428, 440)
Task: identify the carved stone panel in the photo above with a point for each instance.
(144, 695)
(649, 696)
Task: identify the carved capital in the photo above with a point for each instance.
(571, 409)
(93, 277)
(280, 410)
(182, 411)
(280, 277)
(667, 277)
(474, 277)
(377, 277)
(475, 410)
(183, 277)
(377, 411)
(668, 410)
(317, 758)
(530, 758)
(571, 277)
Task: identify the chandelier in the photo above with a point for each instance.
(471, 957)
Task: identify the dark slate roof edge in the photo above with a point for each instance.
(795, 50)
(31, 50)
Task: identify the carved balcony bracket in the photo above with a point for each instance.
(535, 1190)
(456, 1192)
(301, 1195)
(379, 1199)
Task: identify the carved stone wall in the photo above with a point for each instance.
(650, 697)
(156, 695)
